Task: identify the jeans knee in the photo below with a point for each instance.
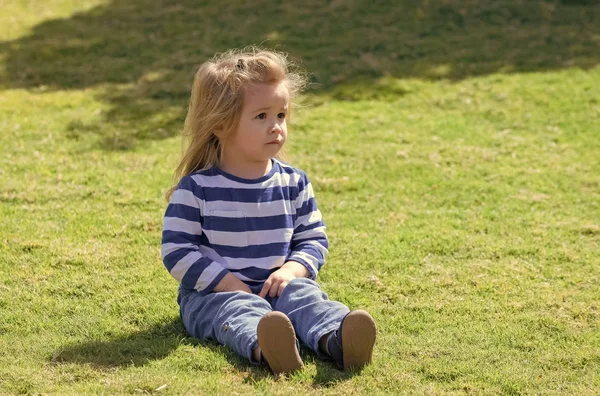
(240, 295)
(300, 288)
(303, 282)
(241, 302)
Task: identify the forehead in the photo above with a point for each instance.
(266, 95)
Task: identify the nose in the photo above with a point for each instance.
(276, 128)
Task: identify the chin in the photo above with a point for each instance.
(273, 150)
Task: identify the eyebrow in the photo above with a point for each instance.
(268, 108)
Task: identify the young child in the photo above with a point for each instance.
(242, 232)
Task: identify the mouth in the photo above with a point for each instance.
(275, 142)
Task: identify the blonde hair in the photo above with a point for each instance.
(217, 99)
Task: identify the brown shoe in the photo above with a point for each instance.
(277, 341)
(351, 346)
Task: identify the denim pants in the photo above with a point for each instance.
(231, 318)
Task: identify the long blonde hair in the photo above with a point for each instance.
(217, 99)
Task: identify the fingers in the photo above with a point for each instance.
(275, 288)
(274, 285)
(266, 288)
(282, 286)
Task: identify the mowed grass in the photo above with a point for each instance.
(455, 153)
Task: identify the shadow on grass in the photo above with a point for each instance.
(142, 54)
(138, 348)
(158, 342)
(328, 375)
(142, 347)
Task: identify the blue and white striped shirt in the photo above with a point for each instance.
(217, 223)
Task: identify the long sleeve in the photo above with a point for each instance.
(309, 241)
(181, 239)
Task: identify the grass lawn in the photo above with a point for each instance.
(454, 147)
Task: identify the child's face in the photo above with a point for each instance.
(262, 129)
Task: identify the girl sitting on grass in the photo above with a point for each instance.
(242, 232)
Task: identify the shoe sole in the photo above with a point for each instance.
(358, 338)
(277, 341)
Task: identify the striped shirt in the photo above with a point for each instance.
(218, 223)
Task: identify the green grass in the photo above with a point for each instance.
(453, 147)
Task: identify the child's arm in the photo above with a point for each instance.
(309, 244)
(309, 241)
(181, 240)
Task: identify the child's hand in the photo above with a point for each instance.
(279, 279)
(231, 283)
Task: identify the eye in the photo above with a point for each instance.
(261, 116)
(281, 115)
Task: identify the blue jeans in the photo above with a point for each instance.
(231, 318)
